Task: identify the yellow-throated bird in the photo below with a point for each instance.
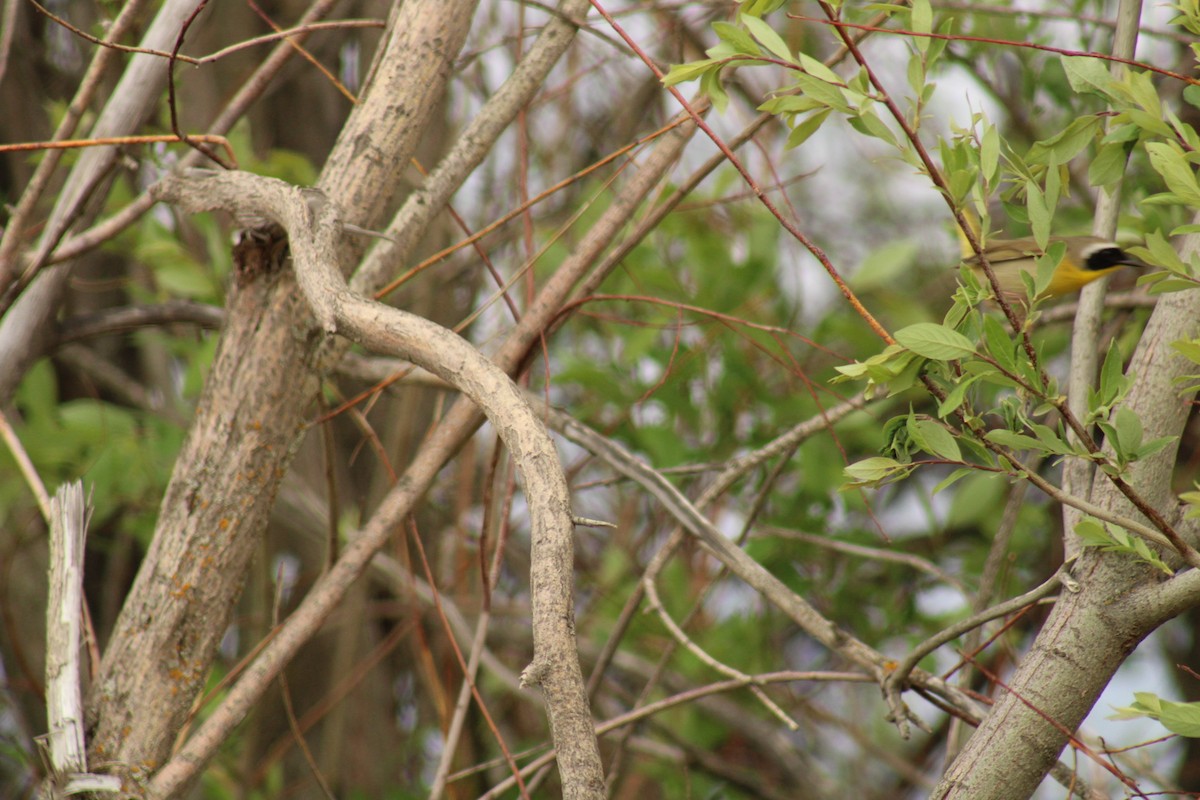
(1087, 258)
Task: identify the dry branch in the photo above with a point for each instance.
(315, 233)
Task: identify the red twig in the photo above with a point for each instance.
(790, 227)
(951, 37)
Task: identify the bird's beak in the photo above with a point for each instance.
(1136, 263)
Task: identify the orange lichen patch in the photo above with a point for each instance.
(223, 524)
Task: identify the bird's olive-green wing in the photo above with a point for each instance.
(1000, 250)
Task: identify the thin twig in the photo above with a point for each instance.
(729, 155)
(25, 465)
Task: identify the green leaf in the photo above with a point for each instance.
(922, 22)
(1191, 93)
(1051, 440)
(936, 440)
(1039, 214)
(1193, 500)
(935, 342)
(819, 71)
(790, 104)
(767, 37)
(1139, 87)
(1087, 75)
(952, 478)
(1000, 345)
(1129, 431)
(871, 471)
(759, 8)
(868, 123)
(1163, 254)
(916, 71)
(1047, 263)
(811, 124)
(737, 37)
(1113, 538)
(1188, 348)
(1017, 441)
(1067, 143)
(1153, 446)
(1181, 718)
(1175, 171)
(1109, 164)
(1091, 532)
(989, 154)
(682, 73)
(824, 93)
(1113, 382)
(956, 396)
(710, 84)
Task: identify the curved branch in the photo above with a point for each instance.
(315, 230)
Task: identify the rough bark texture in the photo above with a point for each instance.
(315, 229)
(255, 403)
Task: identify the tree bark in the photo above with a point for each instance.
(1090, 632)
(252, 413)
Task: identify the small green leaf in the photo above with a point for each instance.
(868, 123)
(1051, 440)
(1087, 75)
(1188, 348)
(1109, 164)
(682, 73)
(1153, 446)
(1112, 373)
(759, 8)
(1091, 532)
(871, 471)
(952, 478)
(819, 71)
(1113, 538)
(811, 124)
(1017, 441)
(922, 22)
(1067, 143)
(989, 154)
(916, 70)
(737, 37)
(935, 342)
(956, 396)
(999, 344)
(1129, 430)
(767, 37)
(789, 104)
(1175, 171)
(1039, 213)
(1163, 254)
(1191, 93)
(1181, 718)
(710, 84)
(827, 94)
(936, 440)
(1047, 263)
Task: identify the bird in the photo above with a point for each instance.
(1087, 258)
